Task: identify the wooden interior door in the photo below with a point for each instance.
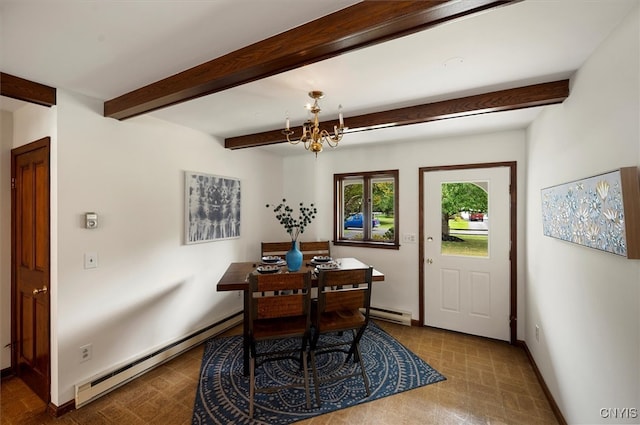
(31, 265)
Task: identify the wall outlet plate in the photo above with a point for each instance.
(86, 352)
(90, 260)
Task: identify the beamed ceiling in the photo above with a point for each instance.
(394, 64)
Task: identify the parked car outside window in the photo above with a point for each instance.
(356, 220)
(476, 216)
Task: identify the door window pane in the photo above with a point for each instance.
(465, 219)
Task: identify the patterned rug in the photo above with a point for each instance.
(222, 394)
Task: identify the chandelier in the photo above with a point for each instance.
(313, 137)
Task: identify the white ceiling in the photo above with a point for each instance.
(107, 48)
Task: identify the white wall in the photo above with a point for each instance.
(149, 288)
(401, 286)
(586, 302)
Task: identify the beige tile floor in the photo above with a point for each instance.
(488, 382)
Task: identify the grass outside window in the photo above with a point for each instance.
(472, 245)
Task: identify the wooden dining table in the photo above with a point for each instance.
(236, 278)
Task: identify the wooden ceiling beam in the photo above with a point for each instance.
(503, 100)
(361, 25)
(28, 91)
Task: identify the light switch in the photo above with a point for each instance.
(90, 260)
(409, 238)
(91, 220)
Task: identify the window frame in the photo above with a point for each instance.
(338, 214)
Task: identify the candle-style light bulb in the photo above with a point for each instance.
(340, 117)
(287, 125)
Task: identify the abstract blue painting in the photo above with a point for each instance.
(588, 212)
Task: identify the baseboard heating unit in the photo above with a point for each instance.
(399, 317)
(100, 385)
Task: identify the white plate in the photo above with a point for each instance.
(270, 259)
(281, 262)
(319, 259)
(268, 269)
(327, 266)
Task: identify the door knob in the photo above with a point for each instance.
(42, 290)
(430, 260)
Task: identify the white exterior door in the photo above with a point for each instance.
(468, 293)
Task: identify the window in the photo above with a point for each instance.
(465, 230)
(366, 209)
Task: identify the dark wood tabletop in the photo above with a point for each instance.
(235, 277)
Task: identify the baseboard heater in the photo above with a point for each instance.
(399, 317)
(109, 381)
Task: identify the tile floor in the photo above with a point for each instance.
(488, 382)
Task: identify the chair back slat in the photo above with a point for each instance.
(279, 282)
(280, 306)
(275, 248)
(345, 277)
(344, 300)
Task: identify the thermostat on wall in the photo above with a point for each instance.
(91, 220)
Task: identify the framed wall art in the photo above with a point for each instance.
(212, 207)
(601, 212)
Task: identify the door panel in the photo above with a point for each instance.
(468, 293)
(30, 248)
(450, 283)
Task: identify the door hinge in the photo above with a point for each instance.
(13, 182)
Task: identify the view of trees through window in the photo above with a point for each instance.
(368, 207)
(465, 217)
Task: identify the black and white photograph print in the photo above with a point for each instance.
(212, 207)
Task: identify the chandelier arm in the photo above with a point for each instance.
(332, 140)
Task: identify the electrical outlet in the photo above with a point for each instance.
(86, 352)
(537, 333)
(90, 260)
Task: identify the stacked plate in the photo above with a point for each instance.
(273, 260)
(269, 268)
(330, 265)
(321, 259)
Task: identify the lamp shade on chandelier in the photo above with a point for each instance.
(313, 138)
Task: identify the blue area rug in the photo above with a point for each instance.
(223, 392)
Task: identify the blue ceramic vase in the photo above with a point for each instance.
(294, 257)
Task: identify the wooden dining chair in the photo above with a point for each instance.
(275, 248)
(279, 307)
(311, 249)
(344, 299)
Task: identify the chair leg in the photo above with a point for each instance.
(252, 384)
(352, 350)
(306, 378)
(316, 383)
(364, 373)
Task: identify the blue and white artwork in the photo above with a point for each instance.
(588, 212)
(212, 207)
